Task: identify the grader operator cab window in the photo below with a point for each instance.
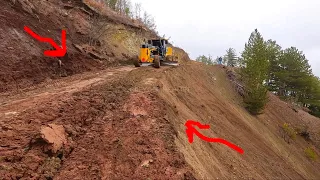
(156, 43)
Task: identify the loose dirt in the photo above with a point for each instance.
(205, 94)
(116, 128)
(88, 120)
(128, 123)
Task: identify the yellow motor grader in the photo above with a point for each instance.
(156, 52)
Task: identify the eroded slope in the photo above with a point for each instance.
(94, 41)
(204, 93)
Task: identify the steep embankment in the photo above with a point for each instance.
(127, 123)
(204, 93)
(103, 124)
(95, 40)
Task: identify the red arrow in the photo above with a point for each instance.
(190, 131)
(59, 52)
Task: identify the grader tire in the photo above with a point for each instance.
(136, 62)
(156, 61)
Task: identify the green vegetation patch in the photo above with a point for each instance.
(311, 154)
(289, 130)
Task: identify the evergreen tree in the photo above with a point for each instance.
(255, 72)
(231, 57)
(293, 74)
(285, 72)
(312, 96)
(273, 53)
(224, 60)
(204, 59)
(210, 60)
(240, 62)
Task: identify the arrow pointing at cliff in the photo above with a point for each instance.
(191, 131)
(59, 51)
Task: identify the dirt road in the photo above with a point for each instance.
(114, 123)
(128, 123)
(15, 102)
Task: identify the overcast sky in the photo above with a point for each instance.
(212, 26)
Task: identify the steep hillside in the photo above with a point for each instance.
(95, 40)
(90, 115)
(205, 94)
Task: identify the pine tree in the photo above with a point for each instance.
(204, 59)
(273, 53)
(210, 60)
(290, 77)
(312, 91)
(293, 74)
(224, 60)
(255, 73)
(231, 57)
(240, 62)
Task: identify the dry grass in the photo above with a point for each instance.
(311, 154)
(98, 6)
(104, 10)
(288, 132)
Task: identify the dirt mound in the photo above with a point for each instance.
(182, 56)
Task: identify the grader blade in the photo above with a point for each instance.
(170, 63)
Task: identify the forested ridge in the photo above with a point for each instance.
(266, 66)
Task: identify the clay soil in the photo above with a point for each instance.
(115, 128)
(128, 123)
(80, 119)
(22, 61)
(87, 120)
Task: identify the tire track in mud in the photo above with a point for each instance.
(54, 90)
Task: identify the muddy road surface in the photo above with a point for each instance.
(128, 123)
(28, 98)
(107, 124)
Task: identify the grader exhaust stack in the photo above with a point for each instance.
(157, 53)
